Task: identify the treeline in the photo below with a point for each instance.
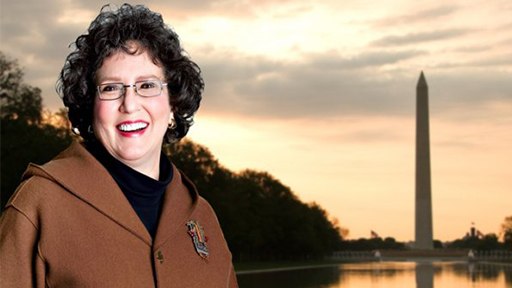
(489, 242)
(476, 240)
(376, 243)
(262, 219)
(25, 136)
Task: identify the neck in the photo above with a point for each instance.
(149, 168)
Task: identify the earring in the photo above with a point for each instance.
(172, 122)
(89, 129)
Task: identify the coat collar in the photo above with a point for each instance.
(179, 202)
(81, 174)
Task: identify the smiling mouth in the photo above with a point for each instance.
(132, 127)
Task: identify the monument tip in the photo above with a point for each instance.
(421, 81)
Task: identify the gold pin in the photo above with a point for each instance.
(160, 256)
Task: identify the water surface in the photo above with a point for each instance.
(387, 274)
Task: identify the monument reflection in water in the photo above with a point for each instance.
(424, 275)
(387, 274)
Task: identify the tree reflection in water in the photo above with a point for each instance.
(386, 274)
(321, 277)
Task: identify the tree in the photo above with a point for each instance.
(438, 244)
(25, 137)
(506, 230)
(262, 219)
(18, 100)
(489, 242)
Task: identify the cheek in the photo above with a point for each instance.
(162, 113)
(162, 109)
(101, 113)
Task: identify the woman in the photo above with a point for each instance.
(113, 211)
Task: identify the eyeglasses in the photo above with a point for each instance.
(144, 88)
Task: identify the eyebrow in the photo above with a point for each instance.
(115, 79)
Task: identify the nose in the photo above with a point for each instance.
(130, 102)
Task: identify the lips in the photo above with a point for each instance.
(132, 128)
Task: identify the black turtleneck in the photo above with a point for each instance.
(143, 192)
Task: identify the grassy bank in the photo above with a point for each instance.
(249, 266)
(243, 267)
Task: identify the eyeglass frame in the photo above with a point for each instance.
(134, 85)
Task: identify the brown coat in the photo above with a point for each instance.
(69, 225)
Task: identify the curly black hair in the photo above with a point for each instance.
(112, 31)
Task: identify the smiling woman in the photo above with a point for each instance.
(130, 123)
(113, 211)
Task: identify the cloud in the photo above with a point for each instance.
(415, 38)
(362, 60)
(322, 86)
(32, 34)
(38, 33)
(329, 85)
(378, 79)
(420, 16)
(473, 49)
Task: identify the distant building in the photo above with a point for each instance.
(473, 233)
(423, 225)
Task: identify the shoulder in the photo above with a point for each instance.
(205, 209)
(40, 187)
(33, 195)
(32, 191)
(40, 183)
(202, 207)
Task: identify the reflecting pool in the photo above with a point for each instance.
(387, 274)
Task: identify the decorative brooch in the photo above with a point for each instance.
(196, 232)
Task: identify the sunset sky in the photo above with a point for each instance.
(321, 94)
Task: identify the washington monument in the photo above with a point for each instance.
(423, 239)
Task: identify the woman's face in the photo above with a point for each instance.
(132, 127)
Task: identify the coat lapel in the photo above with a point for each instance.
(82, 175)
(180, 200)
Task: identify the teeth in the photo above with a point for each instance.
(132, 126)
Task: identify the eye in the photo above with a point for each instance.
(150, 84)
(107, 88)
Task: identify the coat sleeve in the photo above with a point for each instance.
(20, 262)
(232, 278)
